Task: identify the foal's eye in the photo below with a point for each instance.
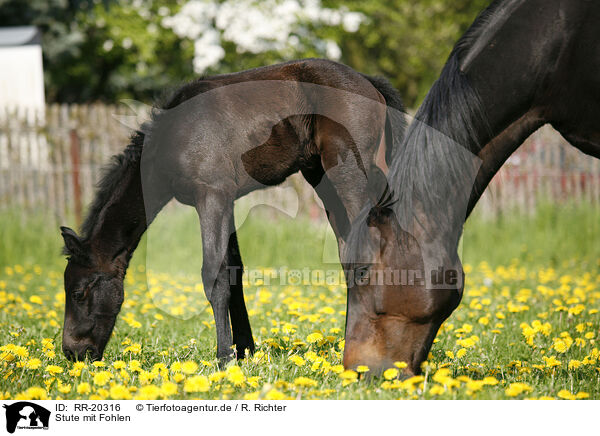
(79, 295)
(82, 293)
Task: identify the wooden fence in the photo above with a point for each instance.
(545, 169)
(51, 160)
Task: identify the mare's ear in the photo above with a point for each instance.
(381, 217)
(73, 244)
(379, 190)
(377, 184)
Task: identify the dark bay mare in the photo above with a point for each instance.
(522, 64)
(215, 140)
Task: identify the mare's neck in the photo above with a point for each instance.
(498, 150)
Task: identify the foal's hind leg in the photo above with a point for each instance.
(242, 333)
(215, 210)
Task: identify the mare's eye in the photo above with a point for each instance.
(361, 274)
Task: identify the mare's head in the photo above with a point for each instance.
(401, 287)
(93, 298)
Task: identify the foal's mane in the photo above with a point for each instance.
(439, 147)
(114, 174)
(129, 159)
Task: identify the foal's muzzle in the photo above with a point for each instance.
(76, 353)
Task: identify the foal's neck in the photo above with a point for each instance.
(119, 214)
(121, 222)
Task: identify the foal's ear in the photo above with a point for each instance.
(73, 244)
(121, 260)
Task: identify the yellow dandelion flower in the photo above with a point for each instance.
(314, 337)
(560, 346)
(252, 396)
(148, 392)
(102, 377)
(304, 382)
(390, 373)
(33, 393)
(337, 369)
(566, 395)
(119, 392)
(490, 381)
(178, 377)
(475, 385)
(217, 376)
(63, 389)
(274, 394)
(189, 367)
(197, 383)
(168, 388)
(235, 375)
(551, 361)
(35, 299)
(299, 361)
(83, 388)
(437, 390)
(33, 363)
(517, 388)
(133, 348)
(54, 369)
(253, 381)
(349, 375)
(119, 364)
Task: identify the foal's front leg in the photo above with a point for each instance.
(215, 209)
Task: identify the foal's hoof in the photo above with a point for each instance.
(223, 361)
(243, 351)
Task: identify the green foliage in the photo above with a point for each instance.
(113, 49)
(104, 50)
(408, 42)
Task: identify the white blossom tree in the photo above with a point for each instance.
(283, 26)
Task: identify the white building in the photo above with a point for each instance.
(21, 90)
(21, 68)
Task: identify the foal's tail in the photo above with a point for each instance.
(395, 123)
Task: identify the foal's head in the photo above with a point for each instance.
(396, 303)
(93, 298)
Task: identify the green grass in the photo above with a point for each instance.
(553, 235)
(521, 269)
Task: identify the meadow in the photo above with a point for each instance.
(527, 327)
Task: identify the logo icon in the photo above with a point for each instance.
(26, 415)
